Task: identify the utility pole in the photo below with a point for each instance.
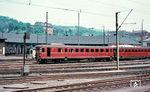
(25, 69)
(78, 34)
(108, 37)
(104, 35)
(142, 35)
(24, 50)
(37, 39)
(117, 41)
(29, 2)
(117, 36)
(46, 27)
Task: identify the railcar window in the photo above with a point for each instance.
(92, 50)
(102, 50)
(96, 50)
(129, 50)
(77, 50)
(66, 50)
(82, 50)
(107, 50)
(59, 49)
(138, 50)
(43, 50)
(87, 50)
(71, 50)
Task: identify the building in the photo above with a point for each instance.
(146, 43)
(12, 43)
(2, 46)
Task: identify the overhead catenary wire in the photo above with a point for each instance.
(108, 4)
(140, 3)
(73, 10)
(77, 10)
(59, 8)
(125, 18)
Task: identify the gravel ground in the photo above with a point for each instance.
(50, 83)
(129, 89)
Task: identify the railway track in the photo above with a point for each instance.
(71, 68)
(18, 64)
(44, 72)
(90, 86)
(10, 71)
(55, 76)
(70, 65)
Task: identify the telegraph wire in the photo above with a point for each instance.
(73, 10)
(140, 3)
(108, 4)
(64, 9)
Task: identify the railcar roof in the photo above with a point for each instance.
(75, 46)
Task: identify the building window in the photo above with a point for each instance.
(148, 44)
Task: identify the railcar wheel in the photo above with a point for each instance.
(43, 61)
(78, 60)
(58, 61)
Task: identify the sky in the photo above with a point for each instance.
(93, 13)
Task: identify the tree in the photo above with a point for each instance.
(38, 29)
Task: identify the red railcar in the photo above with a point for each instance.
(134, 52)
(46, 53)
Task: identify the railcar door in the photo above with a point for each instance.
(48, 52)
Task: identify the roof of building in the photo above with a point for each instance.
(147, 40)
(34, 38)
